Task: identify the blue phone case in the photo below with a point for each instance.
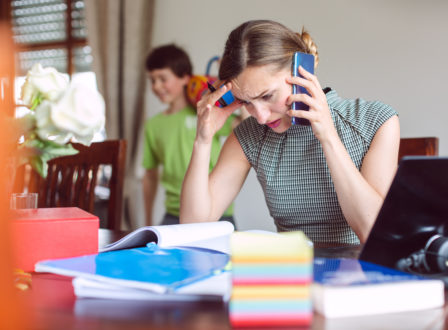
(307, 62)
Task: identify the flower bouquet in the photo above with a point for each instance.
(59, 111)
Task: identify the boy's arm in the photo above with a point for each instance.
(150, 183)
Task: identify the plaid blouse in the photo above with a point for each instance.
(293, 172)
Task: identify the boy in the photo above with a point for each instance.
(169, 135)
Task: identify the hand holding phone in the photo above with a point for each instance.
(226, 99)
(307, 62)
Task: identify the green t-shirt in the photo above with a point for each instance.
(169, 142)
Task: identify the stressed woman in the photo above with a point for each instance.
(328, 179)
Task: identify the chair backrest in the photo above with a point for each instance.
(422, 146)
(71, 180)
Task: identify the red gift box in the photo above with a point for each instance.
(52, 233)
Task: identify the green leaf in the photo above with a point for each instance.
(39, 152)
(40, 166)
(65, 150)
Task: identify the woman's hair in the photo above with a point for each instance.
(171, 57)
(263, 42)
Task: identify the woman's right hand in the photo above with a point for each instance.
(211, 117)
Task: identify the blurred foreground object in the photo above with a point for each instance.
(9, 305)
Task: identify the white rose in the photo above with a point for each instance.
(80, 111)
(46, 81)
(45, 127)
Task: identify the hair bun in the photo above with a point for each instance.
(310, 45)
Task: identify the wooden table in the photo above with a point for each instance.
(51, 304)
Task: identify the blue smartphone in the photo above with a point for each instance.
(307, 62)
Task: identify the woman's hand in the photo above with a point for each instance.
(211, 117)
(319, 113)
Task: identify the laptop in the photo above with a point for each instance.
(411, 230)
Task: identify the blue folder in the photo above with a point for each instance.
(152, 268)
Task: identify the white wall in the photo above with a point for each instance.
(391, 50)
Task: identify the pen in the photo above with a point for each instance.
(213, 89)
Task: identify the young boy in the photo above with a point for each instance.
(169, 135)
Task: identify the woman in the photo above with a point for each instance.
(328, 179)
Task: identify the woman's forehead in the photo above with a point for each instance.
(254, 81)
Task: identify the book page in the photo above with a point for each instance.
(211, 235)
(138, 238)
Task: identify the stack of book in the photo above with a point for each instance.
(271, 277)
(351, 287)
(185, 262)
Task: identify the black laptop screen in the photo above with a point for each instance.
(414, 211)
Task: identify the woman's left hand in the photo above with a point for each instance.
(319, 113)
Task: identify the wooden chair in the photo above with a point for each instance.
(423, 146)
(71, 180)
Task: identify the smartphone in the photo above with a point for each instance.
(307, 62)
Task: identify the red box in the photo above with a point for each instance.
(52, 233)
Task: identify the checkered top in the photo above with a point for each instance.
(293, 172)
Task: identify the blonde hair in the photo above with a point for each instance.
(310, 45)
(263, 42)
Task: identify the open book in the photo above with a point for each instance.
(159, 259)
(209, 235)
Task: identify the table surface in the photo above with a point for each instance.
(51, 304)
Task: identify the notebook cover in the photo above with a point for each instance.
(160, 270)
